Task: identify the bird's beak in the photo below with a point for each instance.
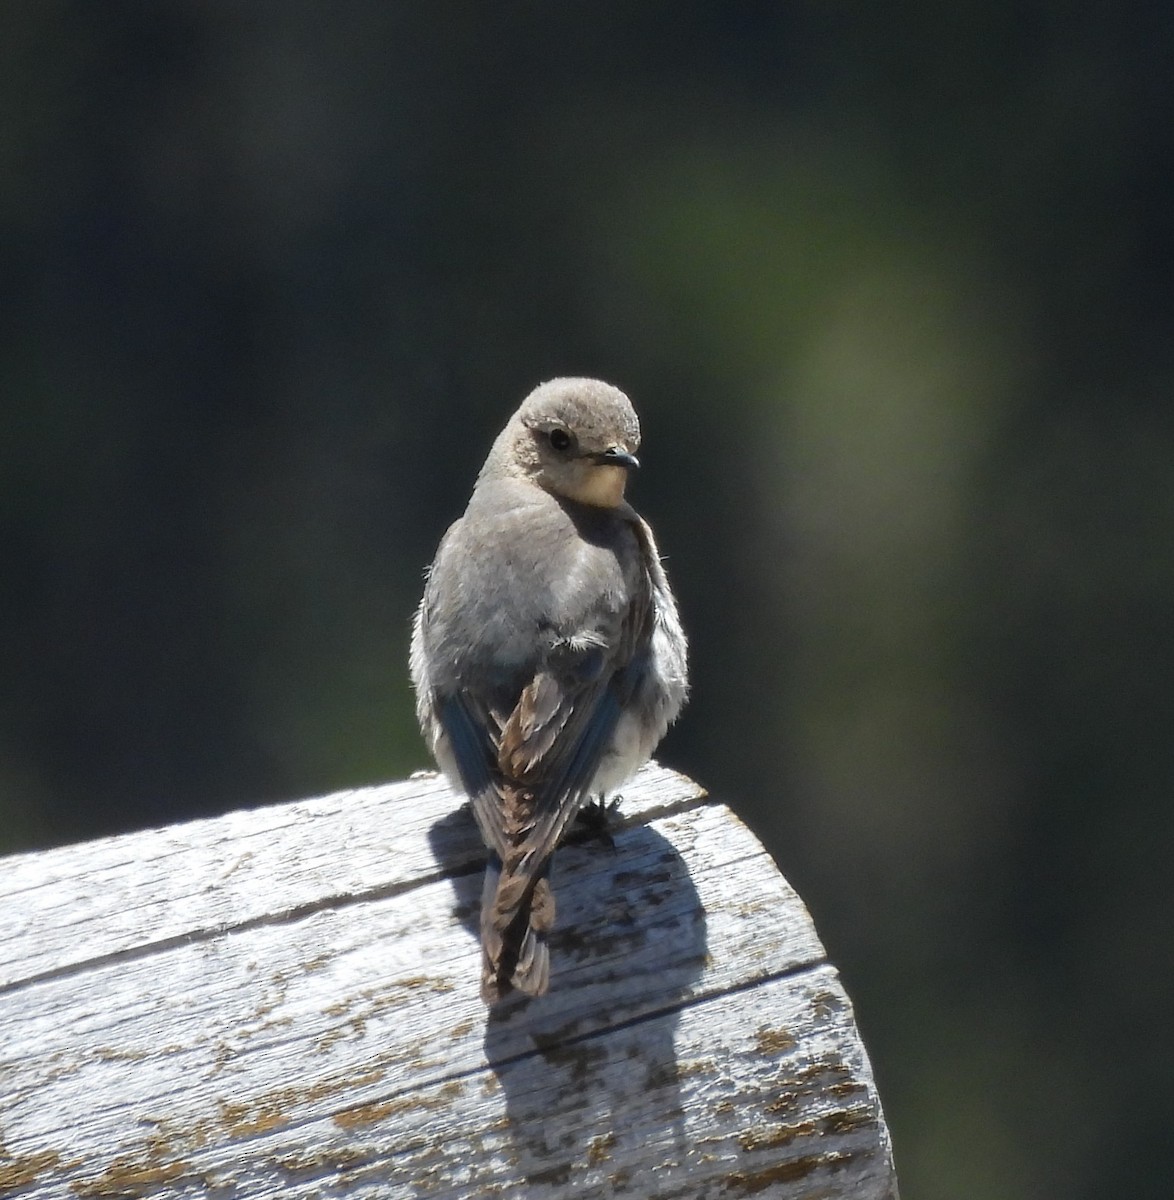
(615, 457)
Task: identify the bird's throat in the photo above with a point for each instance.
(602, 487)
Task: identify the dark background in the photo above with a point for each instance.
(891, 289)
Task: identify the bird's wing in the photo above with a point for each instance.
(471, 736)
(552, 744)
(528, 771)
(550, 750)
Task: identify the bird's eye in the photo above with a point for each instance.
(559, 440)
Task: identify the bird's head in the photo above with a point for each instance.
(576, 438)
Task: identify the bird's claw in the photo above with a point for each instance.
(599, 818)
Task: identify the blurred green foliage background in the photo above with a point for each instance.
(891, 288)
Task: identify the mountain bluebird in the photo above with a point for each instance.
(547, 654)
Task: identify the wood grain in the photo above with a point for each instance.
(283, 1002)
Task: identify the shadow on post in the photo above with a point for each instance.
(583, 1070)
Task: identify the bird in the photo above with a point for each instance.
(547, 653)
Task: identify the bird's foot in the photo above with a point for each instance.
(599, 818)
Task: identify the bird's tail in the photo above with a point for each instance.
(517, 912)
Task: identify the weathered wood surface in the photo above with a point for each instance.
(283, 1003)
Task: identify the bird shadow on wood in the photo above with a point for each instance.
(590, 1069)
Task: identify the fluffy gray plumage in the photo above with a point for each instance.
(547, 654)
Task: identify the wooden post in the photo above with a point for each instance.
(283, 1003)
